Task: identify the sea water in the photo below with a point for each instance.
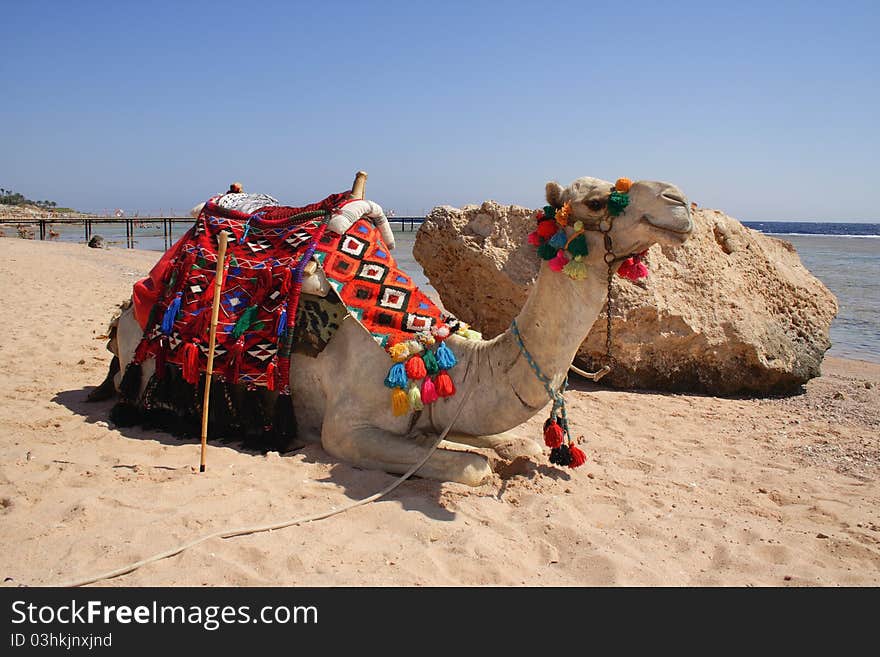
(844, 256)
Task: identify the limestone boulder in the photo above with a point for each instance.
(732, 311)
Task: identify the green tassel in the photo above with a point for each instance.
(546, 251)
(244, 322)
(549, 212)
(578, 246)
(576, 269)
(431, 364)
(617, 202)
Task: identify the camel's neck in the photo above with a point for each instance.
(553, 323)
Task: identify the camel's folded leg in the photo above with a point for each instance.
(507, 445)
(377, 449)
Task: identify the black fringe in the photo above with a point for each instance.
(261, 420)
(130, 386)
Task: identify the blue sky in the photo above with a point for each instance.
(767, 110)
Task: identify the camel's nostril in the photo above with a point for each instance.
(674, 197)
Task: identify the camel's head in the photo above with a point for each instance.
(657, 212)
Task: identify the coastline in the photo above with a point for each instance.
(678, 489)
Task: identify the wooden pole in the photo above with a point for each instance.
(360, 184)
(215, 311)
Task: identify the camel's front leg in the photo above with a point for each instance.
(377, 449)
(507, 445)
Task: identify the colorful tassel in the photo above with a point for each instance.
(171, 314)
(396, 377)
(445, 386)
(399, 352)
(578, 458)
(553, 434)
(415, 368)
(190, 356)
(539, 215)
(270, 377)
(282, 323)
(201, 324)
(235, 356)
(576, 269)
(431, 364)
(429, 391)
(244, 322)
(559, 262)
(633, 268)
(547, 229)
(415, 398)
(546, 252)
(617, 203)
(550, 212)
(563, 213)
(445, 358)
(558, 240)
(534, 239)
(622, 185)
(560, 455)
(399, 402)
(578, 246)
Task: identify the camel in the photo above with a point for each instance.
(338, 397)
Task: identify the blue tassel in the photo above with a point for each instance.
(282, 323)
(445, 357)
(558, 240)
(171, 314)
(397, 377)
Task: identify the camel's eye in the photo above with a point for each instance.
(595, 204)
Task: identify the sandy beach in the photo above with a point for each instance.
(680, 490)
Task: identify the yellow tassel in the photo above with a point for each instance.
(399, 352)
(415, 398)
(399, 402)
(576, 269)
(470, 334)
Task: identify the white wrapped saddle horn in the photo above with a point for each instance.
(351, 212)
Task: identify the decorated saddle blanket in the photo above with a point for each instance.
(266, 258)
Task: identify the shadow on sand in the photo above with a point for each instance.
(415, 494)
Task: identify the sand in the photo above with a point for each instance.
(680, 490)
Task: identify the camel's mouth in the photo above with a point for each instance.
(677, 222)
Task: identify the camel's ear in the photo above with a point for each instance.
(554, 193)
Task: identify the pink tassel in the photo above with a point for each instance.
(429, 391)
(534, 239)
(558, 262)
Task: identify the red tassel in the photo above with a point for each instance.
(445, 386)
(190, 355)
(578, 458)
(270, 377)
(553, 435)
(201, 323)
(633, 268)
(235, 352)
(284, 283)
(415, 368)
(547, 229)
